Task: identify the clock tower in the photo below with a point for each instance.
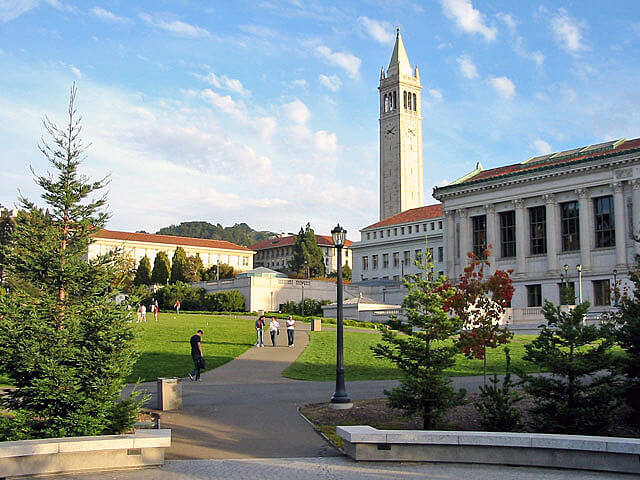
(401, 179)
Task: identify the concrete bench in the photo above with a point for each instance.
(74, 454)
(609, 454)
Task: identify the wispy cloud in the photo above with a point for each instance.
(175, 27)
(537, 57)
(332, 82)
(348, 62)
(568, 31)
(109, 16)
(467, 67)
(542, 147)
(298, 83)
(467, 18)
(222, 81)
(509, 20)
(76, 71)
(435, 93)
(503, 87)
(381, 31)
(297, 111)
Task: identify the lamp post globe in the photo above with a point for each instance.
(340, 399)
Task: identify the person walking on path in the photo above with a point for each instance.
(143, 313)
(260, 331)
(196, 355)
(291, 328)
(274, 330)
(177, 306)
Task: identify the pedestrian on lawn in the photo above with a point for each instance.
(274, 330)
(291, 328)
(260, 331)
(177, 306)
(138, 313)
(196, 355)
(143, 313)
(155, 311)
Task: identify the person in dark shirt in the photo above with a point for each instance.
(196, 355)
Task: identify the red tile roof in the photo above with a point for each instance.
(549, 160)
(323, 240)
(412, 215)
(170, 239)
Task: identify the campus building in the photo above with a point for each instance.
(277, 252)
(212, 252)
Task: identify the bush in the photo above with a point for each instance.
(311, 307)
(191, 298)
(231, 301)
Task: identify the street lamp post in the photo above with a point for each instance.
(401, 269)
(302, 304)
(340, 399)
(579, 269)
(615, 287)
(384, 291)
(566, 286)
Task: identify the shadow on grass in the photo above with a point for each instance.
(213, 342)
(152, 365)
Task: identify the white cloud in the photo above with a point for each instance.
(467, 67)
(298, 83)
(382, 32)
(109, 16)
(12, 9)
(508, 20)
(332, 82)
(537, 57)
(468, 18)
(350, 63)
(222, 81)
(503, 87)
(76, 71)
(297, 111)
(325, 141)
(176, 27)
(435, 93)
(568, 32)
(542, 147)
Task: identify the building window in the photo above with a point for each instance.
(440, 225)
(405, 99)
(396, 278)
(424, 227)
(570, 220)
(440, 254)
(401, 230)
(601, 292)
(538, 230)
(365, 263)
(508, 234)
(375, 235)
(374, 260)
(396, 259)
(603, 210)
(479, 235)
(415, 105)
(418, 255)
(567, 293)
(368, 236)
(534, 295)
(409, 228)
(407, 257)
(381, 233)
(395, 232)
(388, 233)
(385, 260)
(409, 100)
(433, 226)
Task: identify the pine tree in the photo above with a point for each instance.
(579, 395)
(307, 258)
(161, 269)
(65, 344)
(177, 265)
(6, 230)
(424, 351)
(143, 273)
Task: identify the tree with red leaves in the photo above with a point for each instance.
(480, 302)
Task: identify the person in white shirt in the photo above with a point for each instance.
(274, 331)
(143, 313)
(291, 327)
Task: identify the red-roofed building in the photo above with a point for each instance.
(138, 245)
(276, 252)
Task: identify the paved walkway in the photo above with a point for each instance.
(334, 468)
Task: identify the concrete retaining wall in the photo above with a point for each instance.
(60, 455)
(518, 449)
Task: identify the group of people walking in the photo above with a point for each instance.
(274, 330)
(141, 311)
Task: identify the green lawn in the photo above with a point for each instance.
(165, 350)
(317, 362)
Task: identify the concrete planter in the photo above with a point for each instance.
(143, 448)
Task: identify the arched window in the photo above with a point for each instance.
(409, 101)
(395, 100)
(405, 99)
(384, 105)
(415, 104)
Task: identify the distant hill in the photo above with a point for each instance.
(240, 233)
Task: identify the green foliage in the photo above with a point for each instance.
(178, 263)
(580, 395)
(193, 268)
(210, 274)
(161, 269)
(423, 352)
(143, 273)
(6, 231)
(307, 256)
(347, 274)
(230, 301)
(311, 307)
(67, 347)
(240, 233)
(191, 298)
(125, 268)
(497, 403)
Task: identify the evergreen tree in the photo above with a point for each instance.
(125, 267)
(307, 258)
(65, 344)
(161, 269)
(346, 272)
(193, 269)
(177, 265)
(6, 230)
(424, 351)
(580, 395)
(143, 273)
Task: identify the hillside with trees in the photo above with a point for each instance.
(240, 233)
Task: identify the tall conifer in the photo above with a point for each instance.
(177, 265)
(143, 273)
(161, 269)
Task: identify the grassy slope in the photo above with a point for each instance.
(317, 362)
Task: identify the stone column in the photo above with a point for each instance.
(492, 244)
(465, 237)
(635, 208)
(553, 233)
(621, 236)
(450, 244)
(521, 237)
(586, 227)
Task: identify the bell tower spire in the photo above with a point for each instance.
(401, 177)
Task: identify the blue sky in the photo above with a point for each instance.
(267, 111)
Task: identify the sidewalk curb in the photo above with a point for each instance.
(320, 433)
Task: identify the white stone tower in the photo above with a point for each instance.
(401, 179)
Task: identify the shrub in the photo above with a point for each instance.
(191, 298)
(230, 301)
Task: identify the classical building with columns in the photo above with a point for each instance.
(578, 208)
